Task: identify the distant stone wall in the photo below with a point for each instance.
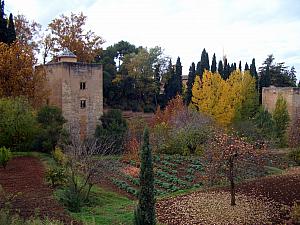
(291, 95)
(64, 79)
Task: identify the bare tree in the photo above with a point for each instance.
(86, 161)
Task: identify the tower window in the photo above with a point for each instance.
(82, 104)
(82, 85)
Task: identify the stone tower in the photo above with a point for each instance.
(290, 94)
(76, 88)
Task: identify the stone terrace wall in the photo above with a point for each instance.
(291, 95)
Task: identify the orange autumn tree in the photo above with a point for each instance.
(68, 32)
(18, 77)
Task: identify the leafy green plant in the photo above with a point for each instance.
(59, 156)
(56, 176)
(5, 156)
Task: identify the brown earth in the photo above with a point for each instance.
(278, 193)
(24, 178)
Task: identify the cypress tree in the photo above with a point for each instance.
(3, 24)
(145, 211)
(198, 68)
(234, 66)
(171, 85)
(253, 71)
(214, 64)
(190, 83)
(178, 77)
(240, 66)
(220, 68)
(11, 32)
(204, 63)
(246, 67)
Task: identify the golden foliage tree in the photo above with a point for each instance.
(225, 100)
(68, 32)
(18, 76)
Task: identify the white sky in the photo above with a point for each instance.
(243, 29)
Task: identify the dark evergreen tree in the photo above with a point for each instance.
(240, 66)
(279, 74)
(11, 32)
(220, 68)
(292, 76)
(198, 68)
(204, 63)
(3, 24)
(178, 75)
(214, 64)
(246, 67)
(190, 83)
(234, 66)
(253, 71)
(171, 85)
(145, 211)
(265, 81)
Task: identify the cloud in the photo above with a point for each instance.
(240, 29)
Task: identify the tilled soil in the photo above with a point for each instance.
(24, 178)
(274, 194)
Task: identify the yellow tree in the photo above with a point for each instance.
(225, 101)
(68, 32)
(18, 77)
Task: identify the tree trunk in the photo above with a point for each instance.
(231, 179)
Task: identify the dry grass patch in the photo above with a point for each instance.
(214, 208)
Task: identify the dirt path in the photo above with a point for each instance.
(25, 175)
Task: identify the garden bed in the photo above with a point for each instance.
(24, 178)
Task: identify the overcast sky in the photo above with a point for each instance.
(242, 29)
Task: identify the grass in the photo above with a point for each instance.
(107, 208)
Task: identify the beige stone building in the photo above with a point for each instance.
(76, 88)
(291, 95)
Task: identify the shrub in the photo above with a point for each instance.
(59, 156)
(115, 126)
(5, 156)
(51, 122)
(295, 155)
(281, 120)
(17, 124)
(56, 176)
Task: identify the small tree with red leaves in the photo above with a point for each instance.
(231, 157)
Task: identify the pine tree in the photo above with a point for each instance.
(145, 211)
(220, 67)
(3, 24)
(11, 32)
(246, 67)
(214, 64)
(190, 83)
